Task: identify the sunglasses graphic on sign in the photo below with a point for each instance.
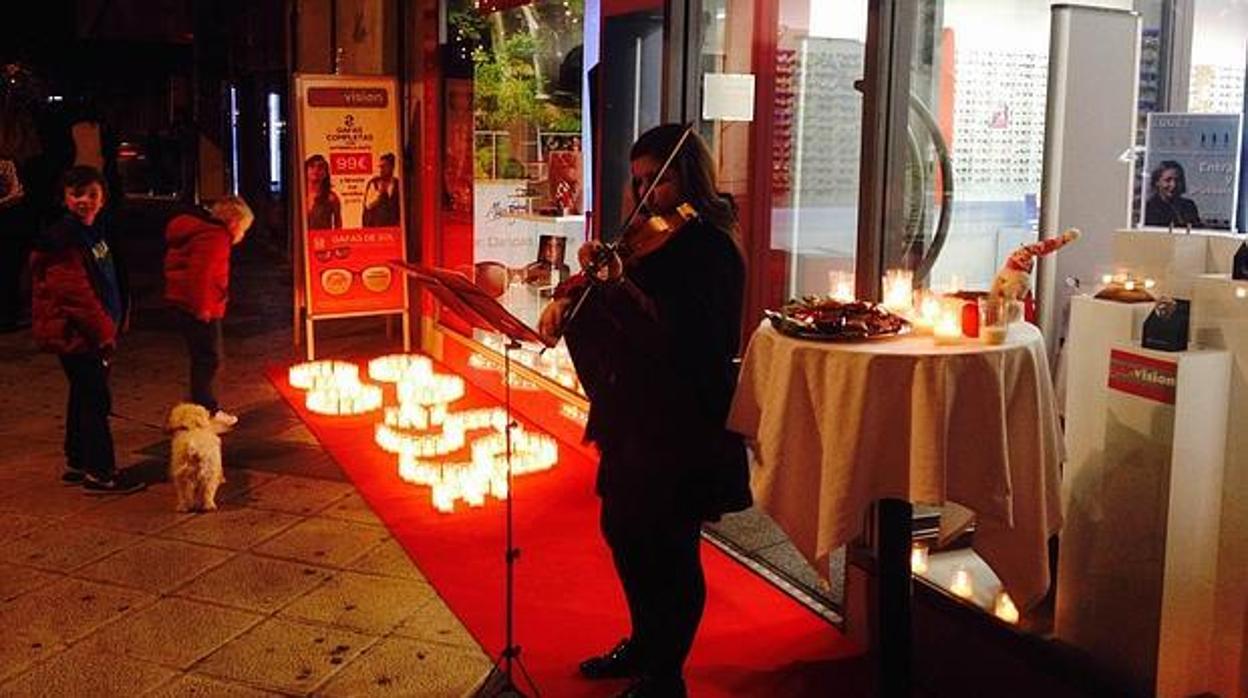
(338, 281)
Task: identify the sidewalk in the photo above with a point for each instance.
(293, 588)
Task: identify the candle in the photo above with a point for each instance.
(1004, 608)
(962, 585)
(841, 285)
(928, 312)
(918, 559)
(948, 329)
(1241, 292)
(1149, 283)
(899, 290)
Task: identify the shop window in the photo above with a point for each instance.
(514, 175)
(1220, 34)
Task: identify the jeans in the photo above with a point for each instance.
(88, 437)
(204, 344)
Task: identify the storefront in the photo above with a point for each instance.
(859, 139)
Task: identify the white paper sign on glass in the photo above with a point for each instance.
(728, 97)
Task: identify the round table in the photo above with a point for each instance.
(837, 426)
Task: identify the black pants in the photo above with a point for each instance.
(655, 544)
(205, 346)
(88, 438)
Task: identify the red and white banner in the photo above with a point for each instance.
(1143, 376)
(350, 220)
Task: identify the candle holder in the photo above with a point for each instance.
(1005, 609)
(841, 285)
(962, 585)
(918, 559)
(899, 291)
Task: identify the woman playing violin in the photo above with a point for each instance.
(654, 342)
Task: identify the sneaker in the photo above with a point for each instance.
(224, 419)
(72, 476)
(114, 485)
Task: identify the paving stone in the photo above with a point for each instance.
(285, 656)
(296, 495)
(240, 481)
(50, 498)
(196, 686)
(82, 671)
(388, 559)
(147, 512)
(402, 667)
(63, 547)
(351, 508)
(156, 565)
(369, 604)
(12, 524)
(324, 541)
(18, 651)
(173, 632)
(232, 527)
(15, 580)
(68, 610)
(255, 583)
(437, 624)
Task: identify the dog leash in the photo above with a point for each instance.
(140, 422)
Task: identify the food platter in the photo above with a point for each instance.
(827, 320)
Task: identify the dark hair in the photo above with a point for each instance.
(388, 157)
(322, 189)
(695, 171)
(1181, 188)
(81, 176)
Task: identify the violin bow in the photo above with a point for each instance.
(641, 203)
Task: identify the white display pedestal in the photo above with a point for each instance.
(1095, 325)
(1139, 551)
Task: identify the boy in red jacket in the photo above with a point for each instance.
(197, 283)
(77, 307)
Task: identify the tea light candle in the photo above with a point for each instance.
(927, 314)
(841, 286)
(918, 559)
(962, 585)
(899, 290)
(948, 329)
(1004, 608)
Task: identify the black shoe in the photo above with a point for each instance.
(113, 485)
(620, 662)
(652, 687)
(72, 476)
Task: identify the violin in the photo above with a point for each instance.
(642, 235)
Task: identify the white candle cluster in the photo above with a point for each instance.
(424, 432)
(334, 388)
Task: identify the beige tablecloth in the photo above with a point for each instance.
(836, 426)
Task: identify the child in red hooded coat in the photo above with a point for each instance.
(197, 285)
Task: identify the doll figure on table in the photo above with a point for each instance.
(1013, 281)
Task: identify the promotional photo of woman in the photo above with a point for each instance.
(1166, 205)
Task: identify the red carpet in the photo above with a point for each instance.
(754, 640)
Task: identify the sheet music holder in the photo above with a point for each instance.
(457, 292)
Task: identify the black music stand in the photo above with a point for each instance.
(480, 310)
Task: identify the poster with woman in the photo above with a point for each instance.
(351, 222)
(1191, 171)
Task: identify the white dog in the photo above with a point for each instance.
(195, 463)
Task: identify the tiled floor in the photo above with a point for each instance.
(293, 588)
